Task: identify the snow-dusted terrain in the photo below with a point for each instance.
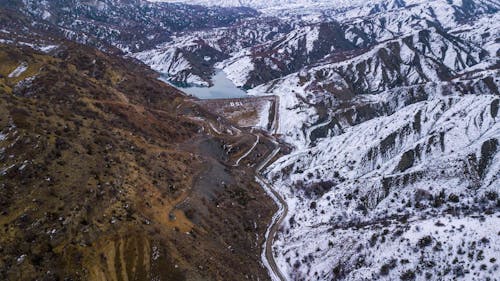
(391, 108)
(395, 173)
(432, 160)
(191, 57)
(250, 3)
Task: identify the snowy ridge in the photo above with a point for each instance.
(384, 169)
(396, 161)
(268, 48)
(191, 58)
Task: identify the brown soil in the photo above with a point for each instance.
(108, 174)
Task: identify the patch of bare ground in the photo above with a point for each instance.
(244, 112)
(108, 174)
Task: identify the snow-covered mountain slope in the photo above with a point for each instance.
(399, 184)
(425, 56)
(264, 49)
(327, 41)
(446, 13)
(484, 32)
(302, 46)
(395, 183)
(190, 57)
(259, 4)
(129, 25)
(395, 171)
(184, 63)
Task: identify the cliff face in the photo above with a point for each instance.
(109, 174)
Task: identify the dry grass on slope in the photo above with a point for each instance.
(100, 177)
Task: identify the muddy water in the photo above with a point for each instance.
(223, 88)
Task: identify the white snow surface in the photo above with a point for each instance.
(354, 165)
(238, 70)
(19, 70)
(263, 115)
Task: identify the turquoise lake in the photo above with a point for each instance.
(223, 88)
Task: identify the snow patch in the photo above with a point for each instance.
(263, 119)
(239, 70)
(19, 70)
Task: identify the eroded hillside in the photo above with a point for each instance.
(110, 174)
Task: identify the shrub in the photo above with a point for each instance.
(384, 270)
(491, 195)
(373, 240)
(313, 205)
(453, 198)
(439, 199)
(425, 241)
(408, 275)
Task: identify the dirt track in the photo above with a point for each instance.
(280, 215)
(276, 222)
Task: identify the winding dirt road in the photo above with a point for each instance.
(278, 218)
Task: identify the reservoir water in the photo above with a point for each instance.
(222, 88)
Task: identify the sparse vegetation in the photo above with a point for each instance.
(408, 275)
(107, 169)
